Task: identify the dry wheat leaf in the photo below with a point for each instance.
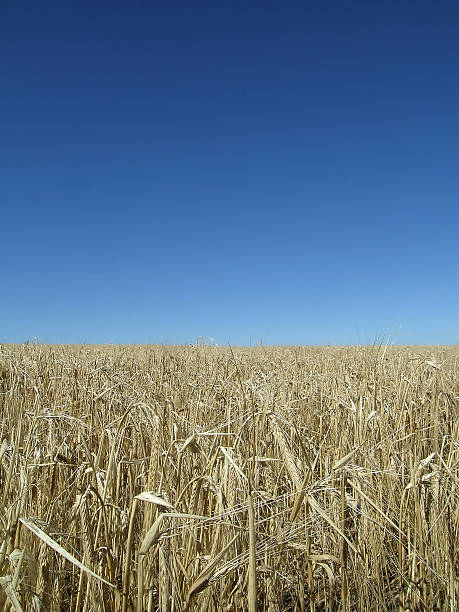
(202, 580)
(149, 496)
(6, 583)
(58, 548)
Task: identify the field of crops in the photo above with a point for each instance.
(205, 478)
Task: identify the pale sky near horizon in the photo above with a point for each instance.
(263, 171)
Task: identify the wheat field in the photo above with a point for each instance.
(205, 478)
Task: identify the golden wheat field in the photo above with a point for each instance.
(205, 478)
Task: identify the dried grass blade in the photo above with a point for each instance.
(233, 463)
(372, 504)
(154, 533)
(58, 548)
(202, 580)
(4, 447)
(344, 460)
(152, 536)
(318, 508)
(6, 583)
(149, 496)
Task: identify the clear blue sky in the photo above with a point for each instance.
(275, 171)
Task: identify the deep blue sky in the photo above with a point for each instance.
(275, 171)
